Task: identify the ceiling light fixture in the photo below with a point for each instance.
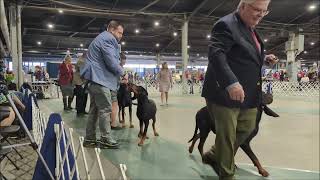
(175, 34)
(156, 23)
(265, 40)
(305, 52)
(312, 7)
(50, 26)
(198, 55)
(312, 43)
(188, 46)
(208, 36)
(81, 45)
(39, 42)
(137, 31)
(60, 11)
(157, 44)
(123, 43)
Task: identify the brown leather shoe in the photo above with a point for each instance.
(207, 159)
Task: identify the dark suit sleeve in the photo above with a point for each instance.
(221, 43)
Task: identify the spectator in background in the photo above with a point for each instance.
(281, 75)
(80, 87)
(65, 82)
(164, 79)
(38, 73)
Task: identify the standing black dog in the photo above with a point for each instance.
(204, 125)
(124, 100)
(146, 110)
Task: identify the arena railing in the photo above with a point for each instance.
(280, 88)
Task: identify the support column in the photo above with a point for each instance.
(294, 46)
(16, 42)
(158, 60)
(185, 56)
(292, 68)
(19, 45)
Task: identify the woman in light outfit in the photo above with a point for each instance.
(164, 79)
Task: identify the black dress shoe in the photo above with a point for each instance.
(206, 159)
(116, 128)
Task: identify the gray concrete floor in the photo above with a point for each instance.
(288, 142)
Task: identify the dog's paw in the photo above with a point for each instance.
(190, 149)
(131, 126)
(156, 134)
(140, 143)
(263, 172)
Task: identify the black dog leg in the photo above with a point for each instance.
(141, 128)
(247, 149)
(203, 138)
(194, 140)
(130, 116)
(120, 108)
(144, 135)
(154, 126)
(123, 119)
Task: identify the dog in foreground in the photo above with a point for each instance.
(204, 126)
(146, 110)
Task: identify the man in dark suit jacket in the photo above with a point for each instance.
(232, 86)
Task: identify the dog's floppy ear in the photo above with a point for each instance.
(269, 112)
(143, 91)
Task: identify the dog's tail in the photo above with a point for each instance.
(269, 112)
(195, 131)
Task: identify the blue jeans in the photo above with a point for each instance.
(100, 108)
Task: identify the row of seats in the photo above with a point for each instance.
(22, 102)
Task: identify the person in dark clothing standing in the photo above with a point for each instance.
(80, 87)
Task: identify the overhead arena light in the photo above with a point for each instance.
(156, 23)
(312, 7)
(312, 43)
(81, 45)
(39, 43)
(137, 31)
(265, 40)
(123, 43)
(50, 25)
(60, 11)
(157, 44)
(175, 34)
(208, 36)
